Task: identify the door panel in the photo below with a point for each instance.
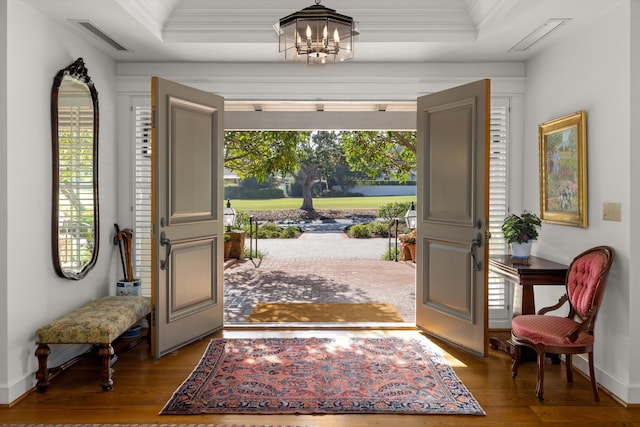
(452, 200)
(187, 137)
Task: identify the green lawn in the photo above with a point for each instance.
(320, 203)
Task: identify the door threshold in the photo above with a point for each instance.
(320, 326)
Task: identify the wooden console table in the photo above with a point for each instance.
(538, 271)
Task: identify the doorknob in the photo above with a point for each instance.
(164, 263)
(476, 243)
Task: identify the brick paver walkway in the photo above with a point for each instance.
(320, 281)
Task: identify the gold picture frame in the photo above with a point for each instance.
(563, 170)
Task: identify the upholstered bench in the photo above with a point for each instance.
(98, 322)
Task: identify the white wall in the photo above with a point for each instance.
(634, 232)
(3, 194)
(590, 70)
(35, 295)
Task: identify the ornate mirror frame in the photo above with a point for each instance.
(74, 131)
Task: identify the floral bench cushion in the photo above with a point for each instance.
(98, 322)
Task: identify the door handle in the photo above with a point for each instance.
(476, 243)
(164, 263)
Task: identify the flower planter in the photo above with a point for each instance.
(409, 252)
(227, 249)
(406, 253)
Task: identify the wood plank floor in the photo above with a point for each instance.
(142, 386)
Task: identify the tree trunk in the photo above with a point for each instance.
(305, 178)
(307, 198)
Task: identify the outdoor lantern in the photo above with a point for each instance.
(411, 217)
(229, 216)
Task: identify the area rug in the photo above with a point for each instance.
(308, 312)
(322, 376)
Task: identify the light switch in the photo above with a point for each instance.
(611, 211)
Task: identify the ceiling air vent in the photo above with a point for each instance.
(101, 35)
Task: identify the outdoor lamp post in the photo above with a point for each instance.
(394, 221)
(229, 216)
(411, 217)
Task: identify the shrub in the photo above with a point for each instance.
(359, 231)
(290, 232)
(236, 192)
(271, 230)
(393, 210)
(379, 228)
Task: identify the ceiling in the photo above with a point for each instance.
(390, 31)
(231, 31)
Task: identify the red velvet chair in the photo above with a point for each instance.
(573, 334)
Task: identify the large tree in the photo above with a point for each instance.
(308, 156)
(301, 154)
(260, 154)
(377, 152)
(317, 156)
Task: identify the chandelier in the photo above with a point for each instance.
(316, 35)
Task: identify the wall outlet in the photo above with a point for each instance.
(611, 211)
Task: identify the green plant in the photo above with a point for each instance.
(521, 229)
(359, 231)
(253, 254)
(227, 237)
(392, 254)
(291, 232)
(379, 228)
(393, 210)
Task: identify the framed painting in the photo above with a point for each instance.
(563, 170)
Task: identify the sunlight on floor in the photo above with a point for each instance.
(337, 334)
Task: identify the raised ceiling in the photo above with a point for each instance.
(390, 31)
(241, 31)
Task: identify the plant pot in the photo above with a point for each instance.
(521, 250)
(227, 249)
(406, 253)
(412, 250)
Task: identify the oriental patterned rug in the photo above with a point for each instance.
(322, 376)
(338, 312)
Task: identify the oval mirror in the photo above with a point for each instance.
(74, 123)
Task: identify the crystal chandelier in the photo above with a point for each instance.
(316, 35)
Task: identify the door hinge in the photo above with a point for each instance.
(153, 316)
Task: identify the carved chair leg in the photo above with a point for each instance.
(42, 353)
(592, 374)
(105, 352)
(540, 383)
(516, 356)
(569, 363)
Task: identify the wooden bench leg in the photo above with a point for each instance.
(42, 353)
(105, 352)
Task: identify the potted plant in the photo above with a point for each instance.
(227, 245)
(409, 244)
(519, 231)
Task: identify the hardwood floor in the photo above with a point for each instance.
(142, 386)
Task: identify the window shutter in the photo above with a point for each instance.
(142, 205)
(499, 292)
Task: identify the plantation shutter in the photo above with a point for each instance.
(76, 195)
(499, 293)
(142, 205)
